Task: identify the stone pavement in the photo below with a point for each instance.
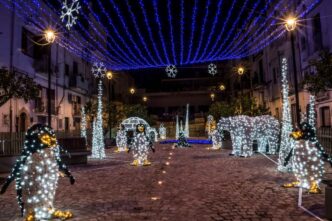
(181, 185)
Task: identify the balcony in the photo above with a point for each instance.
(323, 96)
(76, 109)
(77, 82)
(41, 106)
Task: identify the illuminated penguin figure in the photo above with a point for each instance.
(308, 165)
(36, 175)
(121, 139)
(140, 145)
(216, 137)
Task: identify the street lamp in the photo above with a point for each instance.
(145, 99)
(132, 92)
(212, 95)
(240, 72)
(109, 76)
(290, 25)
(49, 36)
(222, 87)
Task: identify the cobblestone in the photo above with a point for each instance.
(199, 184)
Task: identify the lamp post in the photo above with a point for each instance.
(222, 87)
(132, 92)
(240, 72)
(109, 76)
(49, 36)
(212, 95)
(145, 99)
(290, 25)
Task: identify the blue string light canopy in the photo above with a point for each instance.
(139, 34)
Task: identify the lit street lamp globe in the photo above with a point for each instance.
(222, 87)
(49, 36)
(290, 23)
(240, 70)
(109, 75)
(132, 90)
(145, 99)
(212, 95)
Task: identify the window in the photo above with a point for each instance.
(66, 69)
(77, 123)
(60, 124)
(75, 68)
(261, 71)
(275, 77)
(325, 116)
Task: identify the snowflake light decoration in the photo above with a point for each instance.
(70, 12)
(212, 69)
(98, 70)
(171, 71)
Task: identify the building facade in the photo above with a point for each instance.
(313, 34)
(72, 83)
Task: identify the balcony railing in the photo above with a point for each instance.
(12, 144)
(325, 138)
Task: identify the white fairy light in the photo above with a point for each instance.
(266, 132)
(212, 68)
(98, 70)
(121, 139)
(36, 173)
(186, 126)
(83, 123)
(162, 132)
(240, 129)
(216, 137)
(287, 144)
(171, 71)
(152, 132)
(210, 123)
(140, 147)
(98, 145)
(311, 112)
(308, 166)
(70, 12)
(177, 129)
(244, 130)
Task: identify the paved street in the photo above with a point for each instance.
(198, 184)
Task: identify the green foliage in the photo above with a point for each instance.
(321, 79)
(246, 106)
(13, 85)
(137, 110)
(221, 109)
(117, 114)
